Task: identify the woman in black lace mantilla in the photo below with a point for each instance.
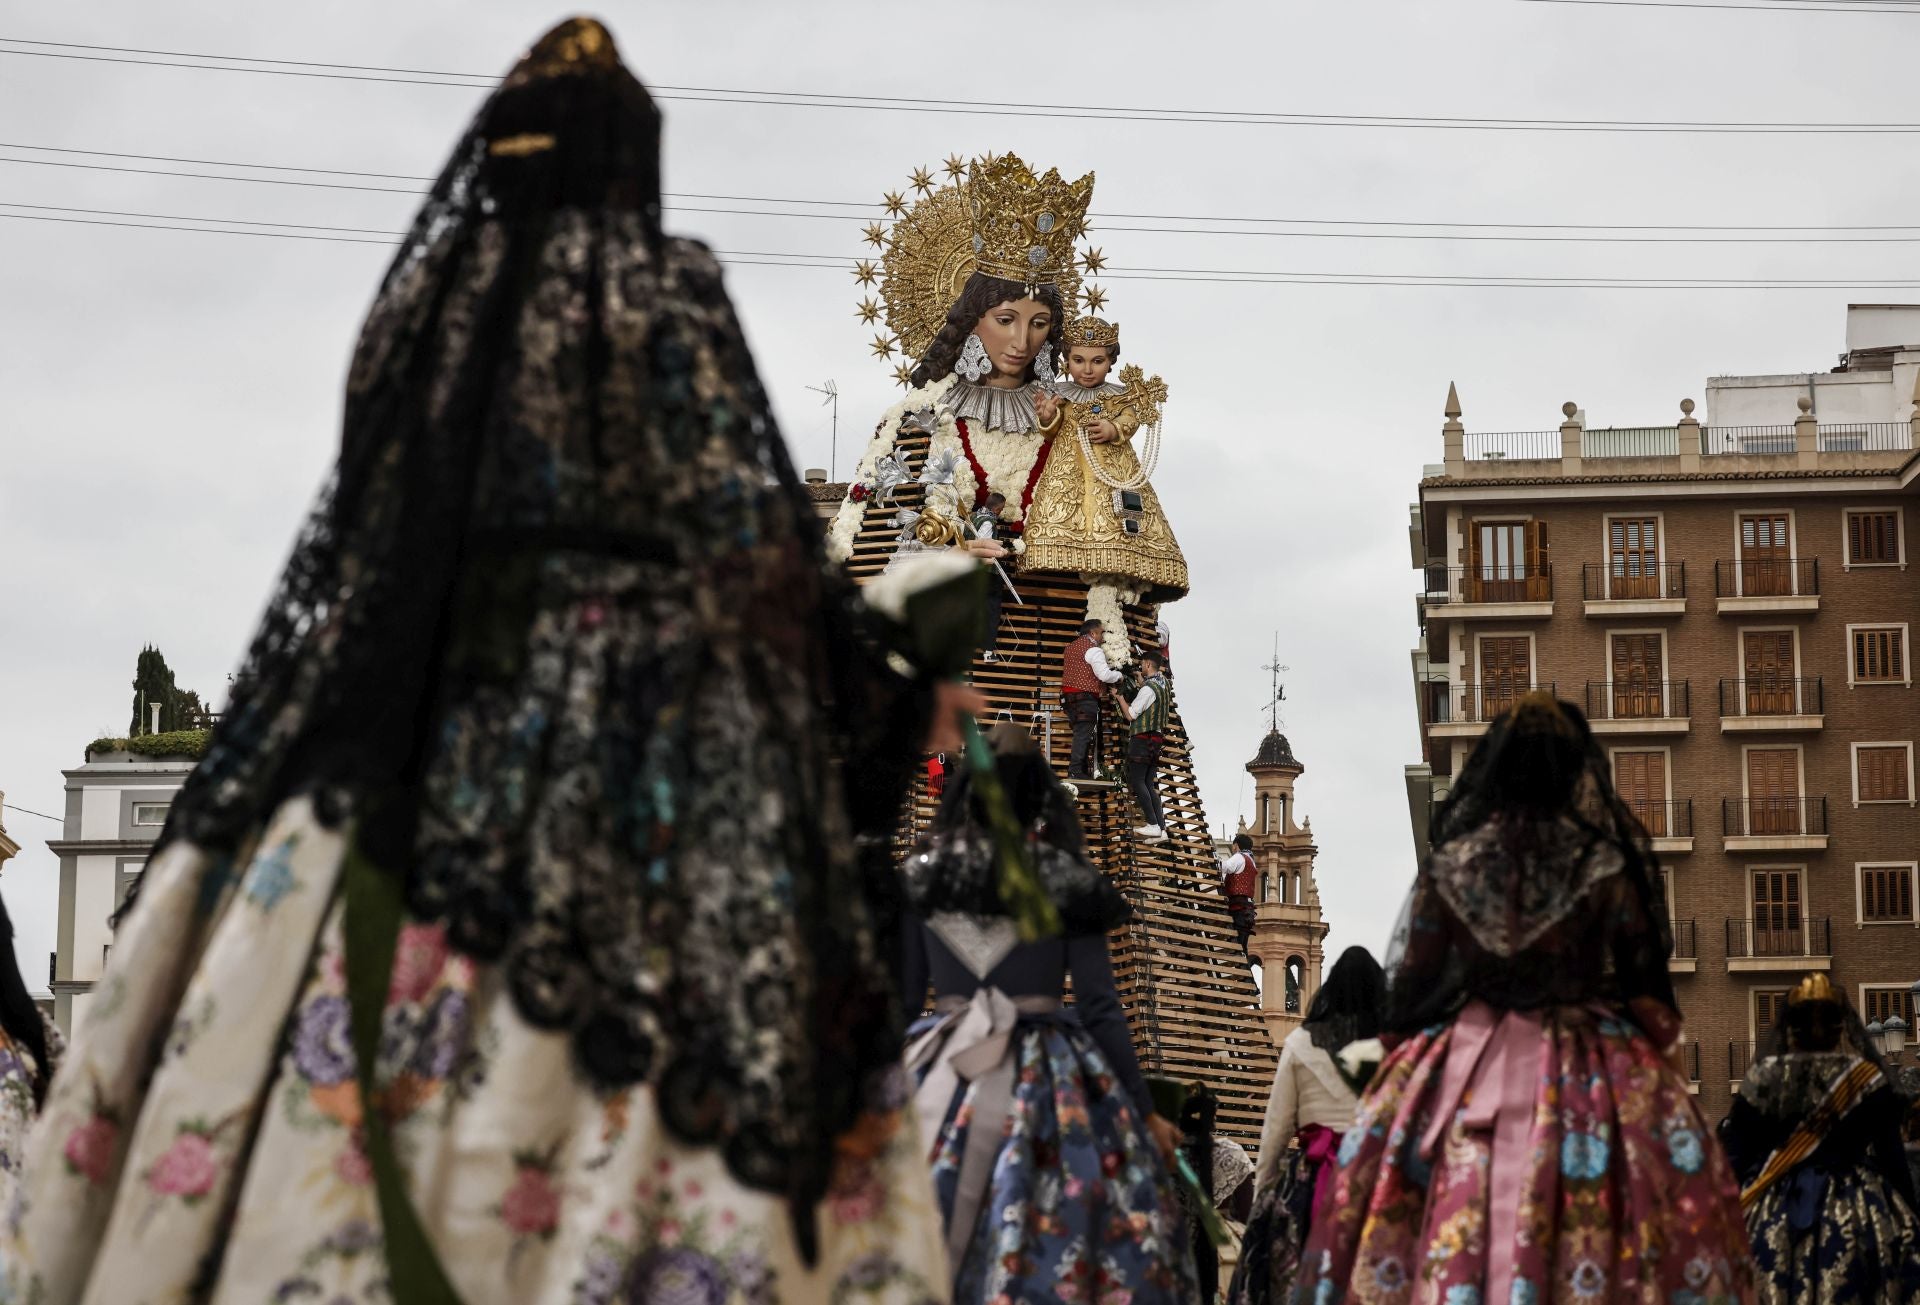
(1528, 1136)
(1814, 1134)
(562, 736)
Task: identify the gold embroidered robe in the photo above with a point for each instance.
(1072, 524)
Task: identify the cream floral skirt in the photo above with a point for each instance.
(202, 1140)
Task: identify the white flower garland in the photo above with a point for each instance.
(1006, 458)
(1008, 461)
(1103, 605)
(846, 522)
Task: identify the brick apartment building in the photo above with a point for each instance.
(1731, 602)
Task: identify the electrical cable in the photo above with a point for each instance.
(979, 108)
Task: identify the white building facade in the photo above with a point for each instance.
(116, 805)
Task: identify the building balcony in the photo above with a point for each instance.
(1773, 705)
(1669, 825)
(1747, 441)
(1685, 957)
(1508, 591)
(1766, 585)
(1690, 1065)
(1866, 437)
(1779, 942)
(1463, 711)
(1740, 1058)
(1774, 824)
(1639, 706)
(1656, 590)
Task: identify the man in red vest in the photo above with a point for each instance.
(1238, 874)
(1083, 674)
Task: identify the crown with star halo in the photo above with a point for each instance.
(1091, 333)
(1024, 226)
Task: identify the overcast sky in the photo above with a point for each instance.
(170, 401)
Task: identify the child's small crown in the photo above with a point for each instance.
(1092, 333)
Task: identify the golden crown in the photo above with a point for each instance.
(1024, 226)
(1092, 333)
(1815, 987)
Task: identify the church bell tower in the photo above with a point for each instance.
(1289, 936)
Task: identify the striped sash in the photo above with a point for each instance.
(1843, 1096)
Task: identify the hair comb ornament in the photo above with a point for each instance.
(1538, 710)
(1815, 988)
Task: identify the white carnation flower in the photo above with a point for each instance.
(912, 573)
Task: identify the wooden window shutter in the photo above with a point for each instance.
(1886, 893)
(1879, 655)
(1873, 538)
(1883, 774)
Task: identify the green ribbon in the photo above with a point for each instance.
(1034, 914)
(372, 929)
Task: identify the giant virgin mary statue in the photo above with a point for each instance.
(978, 285)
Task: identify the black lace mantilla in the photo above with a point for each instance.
(561, 641)
(954, 871)
(1528, 906)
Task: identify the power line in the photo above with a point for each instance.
(28, 811)
(1851, 7)
(1450, 229)
(1219, 276)
(188, 217)
(979, 108)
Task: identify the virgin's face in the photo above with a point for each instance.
(1013, 333)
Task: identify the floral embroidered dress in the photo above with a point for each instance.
(1815, 1136)
(19, 1070)
(517, 939)
(1526, 1140)
(1032, 1112)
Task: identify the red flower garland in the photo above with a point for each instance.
(980, 489)
(1033, 477)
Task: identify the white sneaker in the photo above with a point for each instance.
(1151, 834)
(989, 656)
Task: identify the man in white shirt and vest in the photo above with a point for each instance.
(1149, 713)
(1084, 674)
(1238, 875)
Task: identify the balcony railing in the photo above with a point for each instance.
(1740, 1058)
(1746, 439)
(1779, 935)
(1763, 817)
(1513, 446)
(1754, 577)
(1493, 583)
(1638, 700)
(1690, 1060)
(1481, 702)
(1686, 941)
(1804, 695)
(1600, 582)
(1866, 437)
(1672, 819)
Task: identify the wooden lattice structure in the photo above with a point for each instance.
(1187, 987)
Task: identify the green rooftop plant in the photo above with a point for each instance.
(175, 743)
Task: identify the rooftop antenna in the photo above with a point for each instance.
(832, 392)
(1278, 694)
